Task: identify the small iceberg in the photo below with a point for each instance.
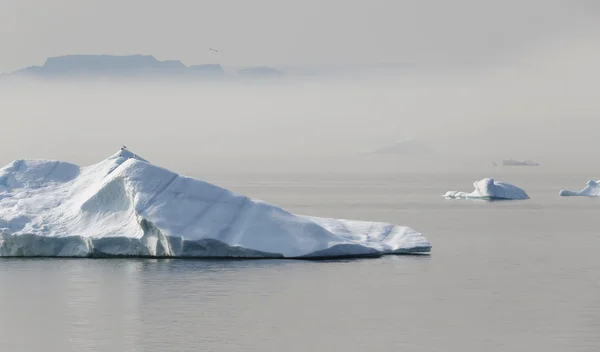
(512, 162)
(489, 189)
(592, 189)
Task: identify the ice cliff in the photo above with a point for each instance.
(489, 189)
(126, 206)
(592, 189)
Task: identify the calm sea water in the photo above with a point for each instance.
(502, 276)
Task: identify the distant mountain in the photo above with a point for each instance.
(213, 70)
(120, 66)
(73, 65)
(405, 147)
(139, 66)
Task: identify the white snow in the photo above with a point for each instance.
(489, 189)
(592, 189)
(125, 206)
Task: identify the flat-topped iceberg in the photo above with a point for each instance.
(592, 189)
(489, 189)
(125, 206)
(512, 162)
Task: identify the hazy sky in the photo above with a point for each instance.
(535, 96)
(286, 32)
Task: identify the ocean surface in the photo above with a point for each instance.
(502, 276)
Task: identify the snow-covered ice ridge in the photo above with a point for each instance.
(489, 189)
(125, 206)
(592, 189)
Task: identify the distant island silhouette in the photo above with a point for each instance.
(130, 66)
(139, 66)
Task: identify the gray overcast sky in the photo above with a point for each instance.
(535, 95)
(286, 32)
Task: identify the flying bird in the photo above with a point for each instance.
(215, 50)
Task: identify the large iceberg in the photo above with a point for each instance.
(125, 206)
(490, 190)
(592, 189)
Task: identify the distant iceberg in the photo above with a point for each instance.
(125, 206)
(511, 162)
(592, 189)
(212, 70)
(490, 190)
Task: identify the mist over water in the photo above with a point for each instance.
(541, 104)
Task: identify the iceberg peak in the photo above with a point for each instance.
(124, 153)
